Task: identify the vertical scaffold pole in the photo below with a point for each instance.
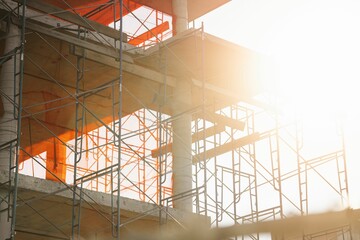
(20, 75)
(79, 124)
(120, 122)
(203, 112)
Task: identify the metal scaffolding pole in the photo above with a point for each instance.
(116, 218)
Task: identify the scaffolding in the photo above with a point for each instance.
(247, 165)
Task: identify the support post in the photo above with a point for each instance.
(181, 147)
(180, 15)
(182, 159)
(8, 122)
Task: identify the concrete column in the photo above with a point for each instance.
(181, 148)
(8, 125)
(181, 15)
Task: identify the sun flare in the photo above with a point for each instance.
(315, 73)
(317, 59)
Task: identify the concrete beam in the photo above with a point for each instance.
(230, 95)
(45, 188)
(128, 66)
(170, 80)
(108, 51)
(44, 211)
(74, 18)
(226, 147)
(222, 120)
(57, 23)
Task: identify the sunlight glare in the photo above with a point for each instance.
(316, 73)
(317, 56)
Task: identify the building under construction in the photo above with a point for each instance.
(114, 134)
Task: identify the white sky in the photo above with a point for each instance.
(259, 24)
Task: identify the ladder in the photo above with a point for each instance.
(9, 201)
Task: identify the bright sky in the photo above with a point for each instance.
(315, 48)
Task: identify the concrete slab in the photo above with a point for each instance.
(224, 72)
(44, 212)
